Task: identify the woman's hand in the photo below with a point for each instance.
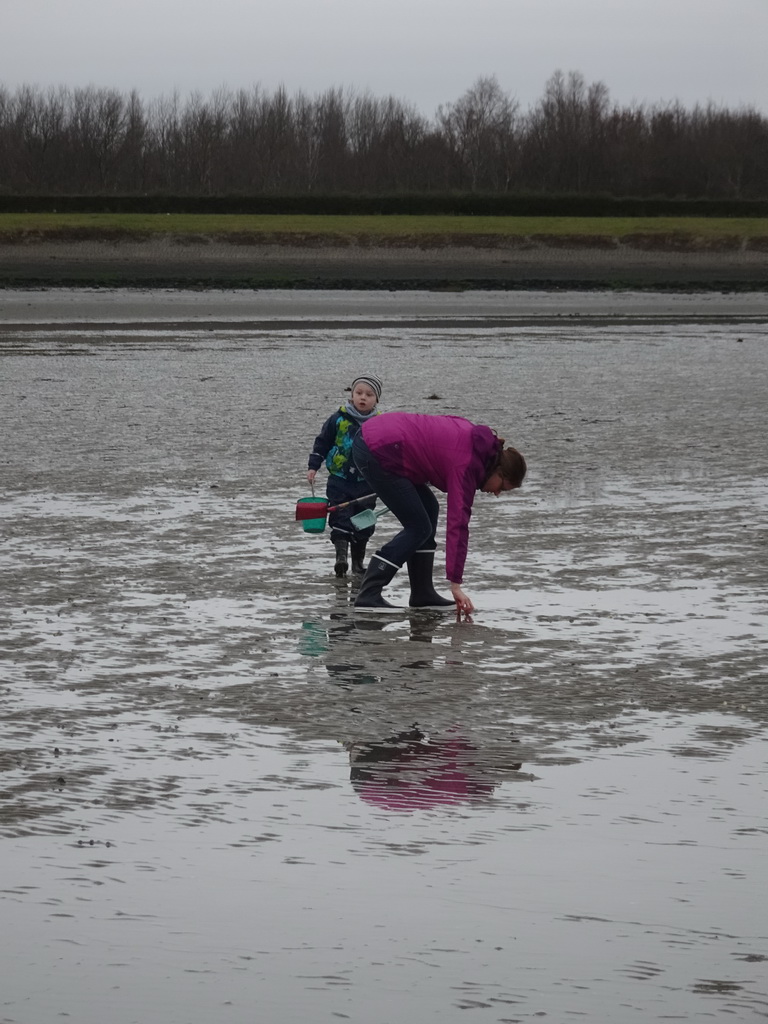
(463, 603)
(311, 474)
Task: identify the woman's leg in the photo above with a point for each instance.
(415, 508)
(421, 563)
(414, 505)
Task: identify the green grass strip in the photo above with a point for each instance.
(378, 226)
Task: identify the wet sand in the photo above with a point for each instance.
(289, 310)
(225, 793)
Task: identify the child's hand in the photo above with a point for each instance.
(311, 474)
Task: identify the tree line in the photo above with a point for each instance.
(573, 140)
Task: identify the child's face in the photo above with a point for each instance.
(363, 398)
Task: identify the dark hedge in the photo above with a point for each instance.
(464, 204)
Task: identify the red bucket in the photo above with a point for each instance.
(314, 524)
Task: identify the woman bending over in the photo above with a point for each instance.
(402, 455)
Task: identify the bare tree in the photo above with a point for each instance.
(574, 139)
(480, 130)
(332, 122)
(308, 142)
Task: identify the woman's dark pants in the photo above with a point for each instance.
(414, 505)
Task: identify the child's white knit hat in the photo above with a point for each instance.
(373, 382)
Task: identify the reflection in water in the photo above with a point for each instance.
(415, 767)
(346, 632)
(409, 771)
(318, 638)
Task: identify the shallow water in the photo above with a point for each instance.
(226, 795)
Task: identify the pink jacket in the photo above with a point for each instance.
(448, 452)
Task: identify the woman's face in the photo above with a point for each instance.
(496, 483)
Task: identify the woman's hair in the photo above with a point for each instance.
(511, 464)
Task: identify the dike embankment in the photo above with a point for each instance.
(238, 260)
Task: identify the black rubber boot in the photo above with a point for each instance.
(358, 554)
(378, 574)
(341, 566)
(423, 593)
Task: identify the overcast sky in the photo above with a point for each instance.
(424, 51)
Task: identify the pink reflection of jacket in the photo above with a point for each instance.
(448, 452)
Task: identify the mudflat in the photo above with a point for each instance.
(224, 784)
(285, 310)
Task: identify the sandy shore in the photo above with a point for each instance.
(483, 263)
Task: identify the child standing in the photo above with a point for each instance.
(333, 445)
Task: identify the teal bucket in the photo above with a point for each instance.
(313, 525)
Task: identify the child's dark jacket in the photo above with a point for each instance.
(333, 445)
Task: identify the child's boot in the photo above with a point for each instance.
(342, 547)
(423, 593)
(358, 554)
